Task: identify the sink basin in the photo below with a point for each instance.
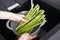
(52, 15)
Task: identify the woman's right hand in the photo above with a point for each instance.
(12, 16)
(27, 36)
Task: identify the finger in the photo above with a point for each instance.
(32, 37)
(21, 15)
(19, 21)
(24, 20)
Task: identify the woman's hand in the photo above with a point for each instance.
(27, 36)
(18, 18)
(12, 16)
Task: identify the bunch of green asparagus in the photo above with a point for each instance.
(35, 16)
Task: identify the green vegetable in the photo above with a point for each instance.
(36, 8)
(35, 16)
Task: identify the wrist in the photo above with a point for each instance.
(11, 16)
(5, 15)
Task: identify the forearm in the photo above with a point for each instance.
(12, 16)
(5, 15)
